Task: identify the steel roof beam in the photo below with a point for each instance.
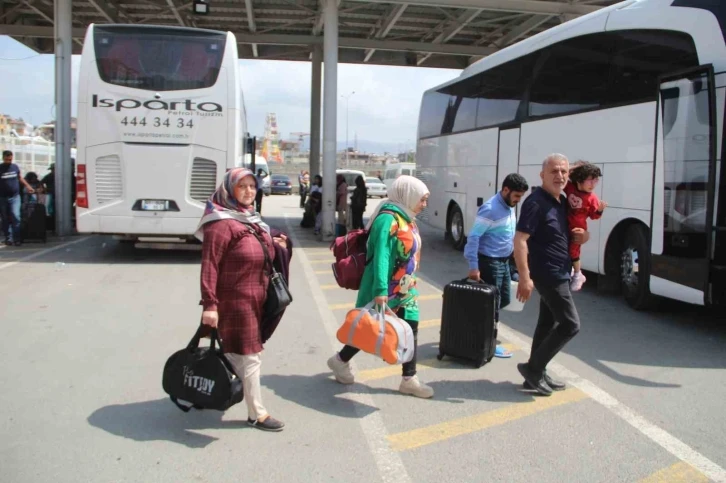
(388, 24)
(102, 8)
(251, 23)
(518, 6)
(521, 30)
(459, 23)
(175, 10)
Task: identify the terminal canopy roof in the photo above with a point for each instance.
(426, 33)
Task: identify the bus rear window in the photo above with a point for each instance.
(158, 59)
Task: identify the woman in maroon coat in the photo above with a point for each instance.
(234, 281)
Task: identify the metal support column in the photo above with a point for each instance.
(63, 51)
(315, 112)
(330, 122)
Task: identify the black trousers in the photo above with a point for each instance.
(409, 368)
(258, 201)
(556, 305)
(357, 221)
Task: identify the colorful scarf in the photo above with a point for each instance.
(222, 205)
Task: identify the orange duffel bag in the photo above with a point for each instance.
(378, 331)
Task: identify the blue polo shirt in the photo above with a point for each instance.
(545, 220)
(493, 232)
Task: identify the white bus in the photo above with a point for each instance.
(637, 88)
(161, 118)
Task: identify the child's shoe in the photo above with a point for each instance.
(577, 280)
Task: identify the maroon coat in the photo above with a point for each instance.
(234, 282)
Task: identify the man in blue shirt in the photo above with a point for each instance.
(10, 180)
(543, 261)
(491, 241)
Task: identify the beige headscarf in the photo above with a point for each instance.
(405, 193)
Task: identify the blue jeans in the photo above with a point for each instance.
(495, 271)
(10, 207)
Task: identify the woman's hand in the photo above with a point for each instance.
(210, 318)
(382, 300)
(281, 240)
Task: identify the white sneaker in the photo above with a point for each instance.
(415, 387)
(577, 280)
(341, 370)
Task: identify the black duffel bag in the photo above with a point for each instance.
(202, 376)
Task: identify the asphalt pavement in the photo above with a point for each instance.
(90, 322)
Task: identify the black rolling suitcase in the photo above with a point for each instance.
(468, 325)
(33, 222)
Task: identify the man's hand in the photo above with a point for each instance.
(210, 318)
(601, 206)
(579, 236)
(475, 275)
(524, 289)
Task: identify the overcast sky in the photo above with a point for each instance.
(384, 107)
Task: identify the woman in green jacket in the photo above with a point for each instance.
(394, 244)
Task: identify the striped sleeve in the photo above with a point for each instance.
(481, 224)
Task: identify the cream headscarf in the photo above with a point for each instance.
(405, 193)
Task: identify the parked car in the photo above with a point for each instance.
(376, 187)
(280, 184)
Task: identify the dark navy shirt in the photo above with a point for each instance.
(545, 220)
(9, 180)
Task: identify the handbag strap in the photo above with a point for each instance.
(268, 261)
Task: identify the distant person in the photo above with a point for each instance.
(316, 202)
(10, 181)
(358, 202)
(490, 243)
(584, 204)
(261, 175)
(341, 203)
(541, 249)
(304, 187)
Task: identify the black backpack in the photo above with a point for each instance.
(202, 376)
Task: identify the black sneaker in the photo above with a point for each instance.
(554, 384)
(269, 424)
(537, 381)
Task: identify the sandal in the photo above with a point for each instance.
(502, 353)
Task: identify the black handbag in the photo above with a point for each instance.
(278, 295)
(202, 376)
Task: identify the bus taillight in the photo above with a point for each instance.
(81, 191)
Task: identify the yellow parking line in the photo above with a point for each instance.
(322, 272)
(457, 427)
(395, 370)
(318, 262)
(680, 472)
(425, 324)
(352, 305)
(330, 287)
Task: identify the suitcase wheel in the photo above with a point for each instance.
(440, 356)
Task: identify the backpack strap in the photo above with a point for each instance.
(395, 217)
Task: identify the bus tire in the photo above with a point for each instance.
(456, 228)
(635, 253)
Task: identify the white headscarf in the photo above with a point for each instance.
(405, 193)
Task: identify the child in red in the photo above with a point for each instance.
(584, 204)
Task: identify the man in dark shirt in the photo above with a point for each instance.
(10, 180)
(543, 262)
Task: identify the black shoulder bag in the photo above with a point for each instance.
(278, 295)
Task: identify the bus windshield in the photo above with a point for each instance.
(158, 59)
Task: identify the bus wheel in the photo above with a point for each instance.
(635, 268)
(456, 228)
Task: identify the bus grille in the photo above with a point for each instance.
(204, 179)
(109, 184)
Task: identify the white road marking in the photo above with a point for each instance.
(390, 465)
(667, 441)
(42, 252)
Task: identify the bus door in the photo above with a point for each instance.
(684, 174)
(508, 156)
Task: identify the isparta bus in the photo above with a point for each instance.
(637, 88)
(161, 118)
